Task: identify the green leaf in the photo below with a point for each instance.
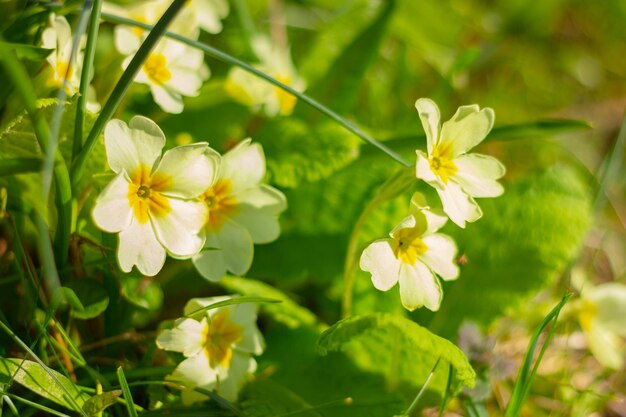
(266, 398)
(92, 296)
(14, 166)
(32, 376)
(399, 348)
(130, 404)
(28, 52)
(523, 242)
(142, 291)
(297, 152)
(100, 402)
(287, 311)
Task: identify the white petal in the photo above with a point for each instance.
(234, 377)
(188, 168)
(419, 287)
(433, 219)
(129, 146)
(477, 175)
(425, 173)
(604, 345)
(467, 128)
(195, 370)
(186, 337)
(610, 300)
(459, 206)
(210, 263)
(209, 13)
(178, 230)
(233, 251)
(440, 256)
(244, 165)
(258, 212)
(126, 40)
(245, 315)
(197, 303)
(430, 117)
(379, 260)
(139, 246)
(170, 101)
(112, 211)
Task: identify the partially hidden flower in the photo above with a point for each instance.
(413, 256)
(602, 316)
(172, 71)
(242, 212)
(457, 176)
(153, 200)
(63, 73)
(218, 345)
(259, 94)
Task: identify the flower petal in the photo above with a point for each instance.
(210, 263)
(139, 246)
(440, 256)
(179, 229)
(188, 170)
(195, 370)
(234, 377)
(186, 337)
(425, 173)
(459, 206)
(245, 315)
(419, 287)
(477, 175)
(130, 146)
(379, 260)
(610, 301)
(112, 211)
(604, 345)
(170, 101)
(467, 128)
(258, 210)
(244, 165)
(430, 117)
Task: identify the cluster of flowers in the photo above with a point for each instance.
(415, 254)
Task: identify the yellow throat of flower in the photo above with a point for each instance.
(219, 335)
(286, 101)
(62, 70)
(144, 194)
(156, 69)
(220, 203)
(441, 162)
(407, 245)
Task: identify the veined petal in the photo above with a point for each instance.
(379, 260)
(237, 246)
(419, 287)
(477, 175)
(210, 262)
(424, 172)
(430, 117)
(244, 165)
(130, 146)
(234, 377)
(459, 206)
(440, 256)
(188, 170)
(258, 210)
(179, 229)
(139, 246)
(169, 100)
(195, 370)
(187, 337)
(112, 211)
(466, 129)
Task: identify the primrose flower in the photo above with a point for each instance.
(218, 345)
(242, 211)
(602, 316)
(413, 256)
(259, 94)
(172, 70)
(152, 201)
(457, 176)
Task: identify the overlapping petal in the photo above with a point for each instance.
(189, 171)
(112, 212)
(419, 287)
(379, 260)
(133, 145)
(178, 231)
(139, 246)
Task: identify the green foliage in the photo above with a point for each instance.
(100, 402)
(142, 292)
(92, 296)
(509, 260)
(265, 398)
(32, 376)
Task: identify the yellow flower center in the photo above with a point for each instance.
(286, 101)
(441, 162)
(587, 313)
(144, 194)
(219, 336)
(220, 202)
(407, 245)
(155, 68)
(62, 70)
(137, 31)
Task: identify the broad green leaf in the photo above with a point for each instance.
(14, 166)
(266, 398)
(92, 296)
(523, 242)
(28, 52)
(400, 349)
(298, 153)
(32, 376)
(100, 402)
(287, 311)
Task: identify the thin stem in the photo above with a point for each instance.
(222, 56)
(612, 168)
(90, 52)
(34, 405)
(123, 84)
(411, 411)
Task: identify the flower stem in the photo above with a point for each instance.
(122, 86)
(222, 56)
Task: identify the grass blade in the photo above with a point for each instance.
(234, 301)
(130, 405)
